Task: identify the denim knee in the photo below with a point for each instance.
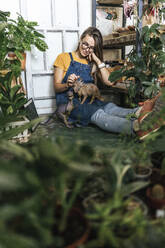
(109, 106)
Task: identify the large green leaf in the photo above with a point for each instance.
(14, 90)
(115, 75)
(15, 131)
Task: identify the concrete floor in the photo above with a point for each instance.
(91, 134)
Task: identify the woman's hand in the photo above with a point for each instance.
(71, 79)
(92, 57)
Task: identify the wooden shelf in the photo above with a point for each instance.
(110, 1)
(123, 40)
(118, 87)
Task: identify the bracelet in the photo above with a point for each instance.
(102, 65)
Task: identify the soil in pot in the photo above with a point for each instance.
(142, 173)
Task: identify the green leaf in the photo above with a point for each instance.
(41, 45)
(19, 55)
(15, 131)
(115, 75)
(148, 91)
(39, 34)
(14, 91)
(19, 104)
(10, 110)
(146, 83)
(15, 149)
(9, 181)
(130, 188)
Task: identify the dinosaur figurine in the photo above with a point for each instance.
(85, 90)
(64, 110)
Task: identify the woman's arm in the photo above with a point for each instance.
(58, 77)
(103, 72)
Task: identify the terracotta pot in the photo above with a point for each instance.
(75, 219)
(23, 62)
(155, 203)
(12, 56)
(84, 236)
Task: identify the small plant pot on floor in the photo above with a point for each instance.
(135, 202)
(95, 198)
(142, 173)
(156, 196)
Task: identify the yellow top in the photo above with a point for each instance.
(63, 61)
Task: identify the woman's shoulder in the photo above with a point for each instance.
(63, 59)
(63, 55)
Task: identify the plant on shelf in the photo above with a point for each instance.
(16, 37)
(144, 70)
(144, 65)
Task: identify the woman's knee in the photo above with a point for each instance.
(97, 115)
(109, 106)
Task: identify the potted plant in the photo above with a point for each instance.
(156, 196)
(144, 70)
(115, 178)
(113, 223)
(16, 37)
(142, 165)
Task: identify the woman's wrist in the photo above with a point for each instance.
(101, 65)
(67, 85)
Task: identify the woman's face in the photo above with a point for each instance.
(87, 45)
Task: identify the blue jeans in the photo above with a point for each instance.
(113, 119)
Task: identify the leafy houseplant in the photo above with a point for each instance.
(16, 37)
(114, 223)
(43, 176)
(11, 99)
(146, 68)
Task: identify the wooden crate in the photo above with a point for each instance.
(112, 54)
(15, 124)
